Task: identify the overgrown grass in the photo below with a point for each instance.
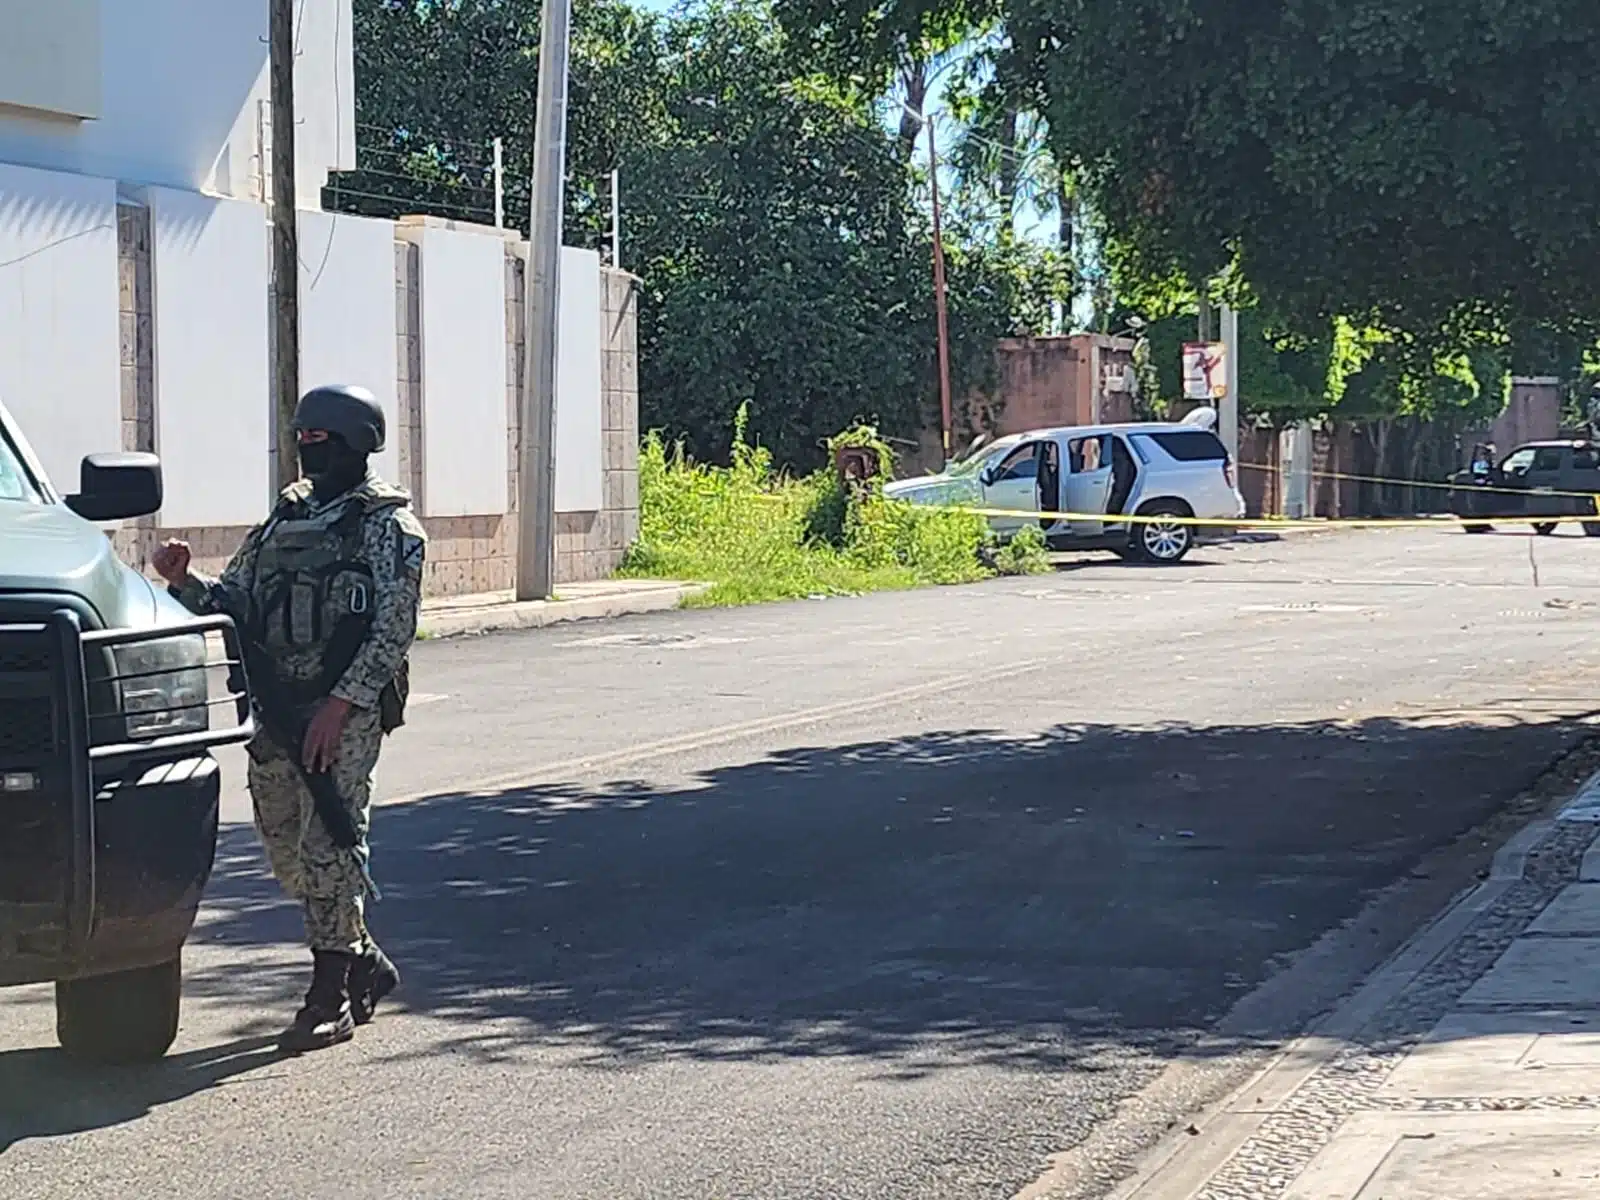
(756, 535)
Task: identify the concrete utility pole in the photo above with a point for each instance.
(938, 295)
(285, 242)
(536, 458)
(1228, 410)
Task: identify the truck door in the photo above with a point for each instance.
(1088, 482)
(1544, 477)
(1013, 485)
(1584, 477)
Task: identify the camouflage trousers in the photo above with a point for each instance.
(325, 879)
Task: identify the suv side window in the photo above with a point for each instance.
(1199, 445)
(1547, 459)
(1021, 463)
(1086, 455)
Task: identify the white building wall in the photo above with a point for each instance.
(347, 313)
(580, 446)
(213, 401)
(60, 362)
(463, 308)
(181, 86)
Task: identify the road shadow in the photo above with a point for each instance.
(44, 1093)
(1061, 564)
(925, 903)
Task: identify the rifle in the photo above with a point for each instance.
(280, 718)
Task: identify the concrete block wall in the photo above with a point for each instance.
(466, 555)
(590, 545)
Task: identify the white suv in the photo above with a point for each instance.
(1099, 472)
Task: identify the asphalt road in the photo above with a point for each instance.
(884, 897)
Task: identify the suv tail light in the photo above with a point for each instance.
(1227, 473)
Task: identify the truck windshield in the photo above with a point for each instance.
(15, 482)
(970, 464)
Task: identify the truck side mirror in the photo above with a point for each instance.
(117, 487)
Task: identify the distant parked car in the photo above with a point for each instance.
(1536, 480)
(1103, 472)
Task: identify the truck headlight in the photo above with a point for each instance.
(164, 688)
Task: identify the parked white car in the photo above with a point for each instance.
(1102, 471)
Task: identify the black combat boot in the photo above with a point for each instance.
(326, 1019)
(372, 977)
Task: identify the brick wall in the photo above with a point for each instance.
(466, 555)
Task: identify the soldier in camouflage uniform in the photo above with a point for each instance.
(337, 563)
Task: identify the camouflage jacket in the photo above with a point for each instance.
(308, 565)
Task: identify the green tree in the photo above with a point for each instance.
(784, 261)
(438, 80)
(767, 209)
(1427, 167)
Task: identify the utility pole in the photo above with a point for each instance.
(1228, 412)
(285, 242)
(938, 295)
(536, 479)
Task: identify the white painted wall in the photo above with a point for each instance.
(580, 419)
(462, 287)
(51, 57)
(209, 271)
(180, 86)
(60, 359)
(347, 313)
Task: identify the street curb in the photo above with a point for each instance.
(536, 614)
(1181, 1165)
(1210, 1111)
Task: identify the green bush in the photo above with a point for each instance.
(757, 535)
(1025, 554)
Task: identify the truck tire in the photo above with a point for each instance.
(1544, 528)
(129, 1017)
(1476, 526)
(1591, 529)
(1159, 543)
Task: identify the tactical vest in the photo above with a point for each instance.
(313, 595)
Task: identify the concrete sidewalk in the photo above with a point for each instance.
(1467, 1069)
(456, 616)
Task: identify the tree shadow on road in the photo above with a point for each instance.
(1059, 902)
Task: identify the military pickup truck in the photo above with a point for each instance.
(1533, 483)
(111, 698)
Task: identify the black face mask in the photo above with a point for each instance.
(332, 466)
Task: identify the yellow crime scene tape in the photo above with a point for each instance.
(1307, 524)
(1274, 524)
(1429, 483)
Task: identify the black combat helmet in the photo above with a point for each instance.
(351, 412)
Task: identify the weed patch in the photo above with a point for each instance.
(756, 535)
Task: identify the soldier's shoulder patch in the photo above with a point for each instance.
(411, 542)
(410, 524)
